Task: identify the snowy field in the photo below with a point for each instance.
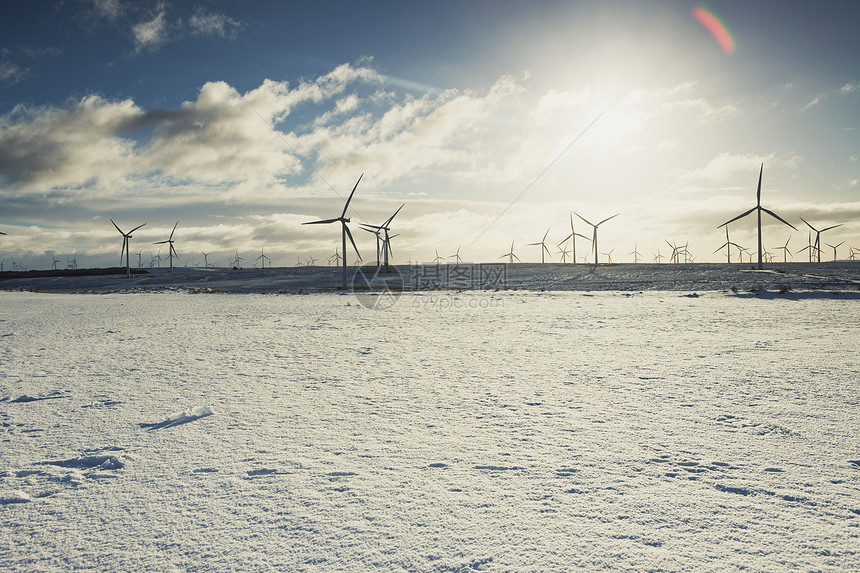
(453, 431)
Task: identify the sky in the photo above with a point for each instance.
(490, 121)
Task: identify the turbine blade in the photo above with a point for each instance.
(345, 207)
(391, 218)
(174, 229)
(117, 227)
(807, 223)
(351, 240)
(135, 229)
(758, 191)
(606, 219)
(324, 221)
(741, 216)
(828, 228)
(774, 215)
(583, 218)
(160, 242)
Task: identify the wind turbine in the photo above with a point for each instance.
(658, 258)
(343, 220)
(125, 238)
(376, 233)
(594, 236)
(609, 255)
(511, 256)
(758, 208)
(438, 259)
(573, 235)
(386, 241)
(728, 246)
(542, 246)
(784, 249)
(818, 235)
(311, 261)
(834, 248)
(563, 252)
(456, 256)
(172, 251)
(205, 259)
(262, 258)
(336, 257)
(55, 261)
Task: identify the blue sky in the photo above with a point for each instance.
(242, 120)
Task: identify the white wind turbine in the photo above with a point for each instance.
(543, 247)
(818, 235)
(125, 238)
(171, 251)
(594, 235)
(343, 220)
(758, 208)
(511, 256)
(572, 236)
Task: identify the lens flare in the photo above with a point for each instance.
(716, 28)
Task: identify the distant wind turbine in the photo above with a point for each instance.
(262, 258)
(171, 252)
(636, 254)
(55, 261)
(728, 246)
(543, 246)
(609, 255)
(563, 252)
(785, 251)
(758, 208)
(456, 256)
(594, 235)
(125, 238)
(834, 248)
(572, 236)
(511, 256)
(343, 220)
(205, 259)
(386, 240)
(818, 235)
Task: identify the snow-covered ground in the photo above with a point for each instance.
(452, 431)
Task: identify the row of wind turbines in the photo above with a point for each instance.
(384, 250)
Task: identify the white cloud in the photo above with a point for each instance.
(849, 88)
(109, 9)
(212, 24)
(812, 103)
(11, 73)
(151, 34)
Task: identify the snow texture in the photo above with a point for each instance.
(454, 431)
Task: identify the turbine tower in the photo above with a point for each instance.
(343, 220)
(125, 238)
(758, 208)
